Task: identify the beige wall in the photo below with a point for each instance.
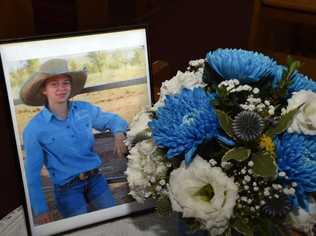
(16, 18)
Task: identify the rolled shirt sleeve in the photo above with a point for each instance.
(107, 120)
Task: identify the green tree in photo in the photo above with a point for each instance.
(98, 60)
(31, 66)
(73, 65)
(17, 77)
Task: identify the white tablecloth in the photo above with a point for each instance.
(148, 224)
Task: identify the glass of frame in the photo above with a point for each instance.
(117, 68)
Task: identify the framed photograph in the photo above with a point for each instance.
(71, 99)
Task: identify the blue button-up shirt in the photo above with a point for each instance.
(65, 147)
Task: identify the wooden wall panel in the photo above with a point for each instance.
(16, 18)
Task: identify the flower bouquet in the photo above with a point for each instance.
(231, 146)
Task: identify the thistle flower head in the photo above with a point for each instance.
(248, 126)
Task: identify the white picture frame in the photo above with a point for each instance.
(130, 45)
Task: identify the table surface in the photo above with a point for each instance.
(147, 224)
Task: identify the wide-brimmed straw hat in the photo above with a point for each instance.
(31, 93)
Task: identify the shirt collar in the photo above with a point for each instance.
(48, 115)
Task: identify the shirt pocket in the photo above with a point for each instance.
(56, 140)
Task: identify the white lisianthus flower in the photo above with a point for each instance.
(188, 79)
(213, 213)
(304, 221)
(145, 163)
(305, 120)
(138, 126)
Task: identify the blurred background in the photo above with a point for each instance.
(179, 31)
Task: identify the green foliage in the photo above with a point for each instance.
(74, 65)
(283, 124)
(228, 232)
(292, 66)
(116, 65)
(264, 164)
(241, 226)
(225, 122)
(32, 66)
(238, 154)
(192, 225)
(163, 206)
(229, 102)
(22, 73)
(138, 58)
(266, 226)
(98, 60)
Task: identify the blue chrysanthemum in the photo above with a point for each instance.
(296, 156)
(184, 122)
(246, 66)
(300, 81)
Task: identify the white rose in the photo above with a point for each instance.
(305, 120)
(303, 220)
(185, 182)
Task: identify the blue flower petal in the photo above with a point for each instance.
(300, 81)
(296, 156)
(184, 122)
(222, 138)
(189, 155)
(246, 66)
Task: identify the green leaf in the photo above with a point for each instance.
(266, 226)
(264, 164)
(242, 227)
(263, 227)
(238, 154)
(284, 123)
(225, 122)
(163, 206)
(293, 65)
(228, 232)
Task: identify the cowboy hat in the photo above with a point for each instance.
(31, 93)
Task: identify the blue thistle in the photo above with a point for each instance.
(184, 122)
(248, 125)
(246, 66)
(296, 156)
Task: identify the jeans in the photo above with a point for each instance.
(82, 196)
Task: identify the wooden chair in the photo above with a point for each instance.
(286, 27)
(160, 73)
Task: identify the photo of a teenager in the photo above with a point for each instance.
(60, 137)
